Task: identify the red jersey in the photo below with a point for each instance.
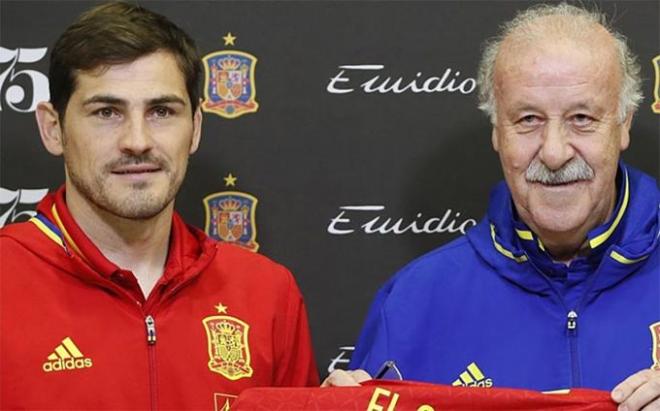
(414, 396)
(77, 332)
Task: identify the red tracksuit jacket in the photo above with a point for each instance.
(78, 334)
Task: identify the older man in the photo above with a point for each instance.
(109, 300)
(559, 286)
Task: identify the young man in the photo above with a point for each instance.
(109, 300)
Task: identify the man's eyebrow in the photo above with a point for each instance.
(579, 105)
(104, 99)
(586, 105)
(110, 99)
(521, 107)
(167, 99)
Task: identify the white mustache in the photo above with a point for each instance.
(575, 170)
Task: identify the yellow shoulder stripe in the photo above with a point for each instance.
(598, 240)
(623, 260)
(504, 251)
(67, 237)
(525, 234)
(49, 233)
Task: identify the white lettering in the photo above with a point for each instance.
(363, 219)
(450, 82)
(339, 219)
(16, 198)
(336, 79)
(16, 93)
(340, 359)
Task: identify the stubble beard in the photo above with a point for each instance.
(137, 201)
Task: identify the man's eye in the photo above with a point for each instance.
(582, 120)
(105, 112)
(162, 111)
(529, 120)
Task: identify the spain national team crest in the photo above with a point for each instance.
(229, 88)
(228, 347)
(655, 332)
(656, 91)
(230, 216)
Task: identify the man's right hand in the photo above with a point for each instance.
(341, 378)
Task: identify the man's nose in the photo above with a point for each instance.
(136, 137)
(556, 149)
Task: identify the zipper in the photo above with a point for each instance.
(151, 330)
(571, 331)
(571, 326)
(151, 349)
(150, 324)
(571, 322)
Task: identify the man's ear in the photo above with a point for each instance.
(50, 128)
(197, 128)
(493, 139)
(625, 132)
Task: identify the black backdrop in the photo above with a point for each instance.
(308, 154)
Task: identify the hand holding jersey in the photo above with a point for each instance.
(639, 391)
(350, 378)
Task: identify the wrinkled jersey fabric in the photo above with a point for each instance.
(74, 331)
(493, 309)
(415, 396)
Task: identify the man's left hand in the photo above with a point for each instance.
(640, 391)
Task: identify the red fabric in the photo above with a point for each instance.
(384, 395)
(49, 293)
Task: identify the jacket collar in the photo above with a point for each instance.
(186, 248)
(622, 243)
(598, 239)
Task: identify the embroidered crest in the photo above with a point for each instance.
(229, 350)
(655, 332)
(229, 87)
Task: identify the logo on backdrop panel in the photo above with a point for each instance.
(380, 80)
(229, 89)
(374, 219)
(656, 91)
(231, 216)
(14, 79)
(19, 205)
(341, 361)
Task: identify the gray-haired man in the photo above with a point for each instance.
(559, 285)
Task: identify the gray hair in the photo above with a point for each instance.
(630, 94)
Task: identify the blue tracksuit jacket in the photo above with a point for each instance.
(492, 309)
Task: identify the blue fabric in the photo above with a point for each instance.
(467, 302)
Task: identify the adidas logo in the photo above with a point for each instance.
(66, 357)
(473, 377)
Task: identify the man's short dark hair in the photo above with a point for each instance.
(118, 33)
